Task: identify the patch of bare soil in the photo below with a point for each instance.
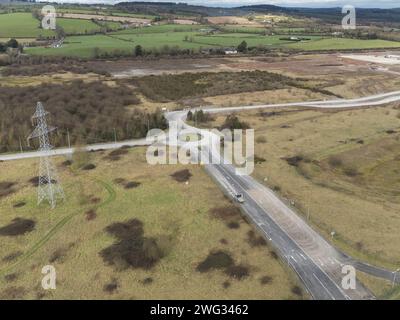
(182, 175)
(90, 214)
(111, 287)
(133, 249)
(17, 227)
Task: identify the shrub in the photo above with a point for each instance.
(261, 139)
(335, 161)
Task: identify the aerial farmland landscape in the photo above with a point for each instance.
(194, 151)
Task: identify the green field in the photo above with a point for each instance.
(21, 25)
(102, 12)
(79, 26)
(175, 35)
(163, 29)
(24, 25)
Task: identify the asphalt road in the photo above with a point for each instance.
(317, 263)
(323, 282)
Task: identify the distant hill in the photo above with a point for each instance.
(330, 15)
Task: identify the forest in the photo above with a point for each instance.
(83, 112)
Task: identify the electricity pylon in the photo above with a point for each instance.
(49, 187)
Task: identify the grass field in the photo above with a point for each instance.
(77, 26)
(189, 37)
(80, 26)
(102, 12)
(21, 25)
(178, 228)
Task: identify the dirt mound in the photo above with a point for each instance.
(294, 161)
(89, 166)
(132, 249)
(35, 181)
(67, 163)
(119, 152)
(19, 204)
(6, 188)
(116, 154)
(127, 184)
(132, 185)
(90, 215)
(297, 291)
(216, 260)
(111, 287)
(182, 175)
(19, 226)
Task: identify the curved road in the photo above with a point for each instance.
(317, 263)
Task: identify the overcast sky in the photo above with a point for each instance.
(287, 3)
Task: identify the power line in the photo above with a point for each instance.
(49, 187)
